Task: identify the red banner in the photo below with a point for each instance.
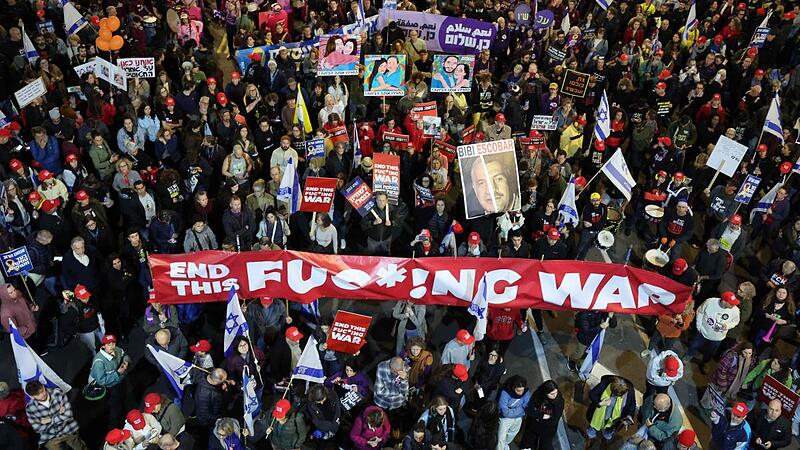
(318, 194)
(348, 332)
(516, 283)
(396, 140)
(339, 134)
(421, 110)
(448, 150)
(772, 389)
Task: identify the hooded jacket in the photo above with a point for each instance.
(18, 310)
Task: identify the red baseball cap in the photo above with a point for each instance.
(762, 147)
(671, 366)
(236, 75)
(659, 52)
(464, 337)
(661, 85)
(282, 407)
(666, 140)
(211, 80)
(760, 72)
(789, 15)
(425, 233)
(480, 136)
(740, 410)
(294, 334)
(136, 419)
(45, 174)
(169, 101)
(117, 436)
(553, 234)
(599, 144)
(623, 57)
(661, 173)
(718, 39)
(679, 176)
(664, 74)
(255, 57)
(71, 157)
(500, 117)
(752, 52)
(580, 181)
(687, 438)
(730, 297)
(222, 99)
(702, 40)
(5, 132)
(679, 266)
(82, 293)
(474, 238)
(741, 6)
(108, 338)
(150, 401)
(736, 219)
(34, 197)
(81, 195)
(14, 126)
(716, 97)
(581, 120)
(15, 165)
(49, 205)
(265, 301)
(460, 372)
(201, 346)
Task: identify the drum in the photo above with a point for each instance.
(655, 259)
(149, 21)
(173, 21)
(613, 219)
(252, 7)
(605, 240)
(654, 213)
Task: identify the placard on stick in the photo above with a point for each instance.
(348, 332)
(318, 194)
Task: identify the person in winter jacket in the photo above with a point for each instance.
(12, 407)
(486, 378)
(501, 326)
(513, 402)
(289, 429)
(460, 349)
(324, 412)
(731, 431)
(144, 428)
(371, 430)
(544, 413)
(419, 438)
(208, 396)
(440, 419)
(662, 419)
(226, 435)
(770, 430)
(482, 433)
(714, 318)
(199, 237)
(588, 325)
(167, 413)
(45, 150)
(663, 371)
(451, 385)
(614, 393)
(14, 306)
(169, 340)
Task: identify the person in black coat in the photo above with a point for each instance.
(50, 219)
(516, 247)
(208, 397)
(544, 412)
(550, 246)
(588, 325)
(482, 434)
(81, 265)
(451, 384)
(770, 429)
(324, 411)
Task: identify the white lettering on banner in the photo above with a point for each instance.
(185, 288)
(350, 279)
(258, 273)
(509, 293)
(580, 295)
(647, 293)
(419, 277)
(295, 277)
(190, 270)
(616, 290)
(445, 283)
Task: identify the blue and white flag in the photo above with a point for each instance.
(616, 169)
(361, 17)
(390, 4)
(766, 202)
(73, 20)
(691, 21)
(235, 323)
(309, 367)
(30, 51)
(761, 32)
(603, 4)
(356, 147)
(566, 206)
(289, 189)
(592, 355)
(602, 128)
(796, 166)
(565, 25)
(449, 239)
(480, 309)
(4, 122)
(252, 407)
(30, 366)
(772, 123)
(176, 370)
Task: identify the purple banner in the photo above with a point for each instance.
(443, 33)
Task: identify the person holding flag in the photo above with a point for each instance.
(288, 429)
(289, 189)
(588, 325)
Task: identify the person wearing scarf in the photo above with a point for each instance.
(730, 375)
(419, 359)
(613, 401)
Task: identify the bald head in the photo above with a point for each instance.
(774, 408)
(163, 337)
(662, 402)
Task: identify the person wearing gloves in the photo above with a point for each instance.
(662, 372)
(513, 402)
(144, 428)
(731, 431)
(324, 411)
(714, 318)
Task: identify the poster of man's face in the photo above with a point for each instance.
(491, 183)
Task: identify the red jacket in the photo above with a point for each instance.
(501, 323)
(14, 406)
(707, 110)
(365, 138)
(415, 135)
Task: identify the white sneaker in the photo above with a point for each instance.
(342, 244)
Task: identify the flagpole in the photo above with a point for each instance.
(760, 136)
(200, 369)
(313, 225)
(255, 359)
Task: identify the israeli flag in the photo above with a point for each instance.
(772, 123)
(565, 25)
(602, 129)
(617, 172)
(766, 202)
(566, 206)
(480, 309)
(73, 20)
(603, 4)
(289, 189)
(592, 355)
(30, 51)
(691, 21)
(796, 166)
(176, 369)
(252, 407)
(449, 239)
(361, 16)
(309, 367)
(30, 366)
(356, 146)
(4, 122)
(235, 323)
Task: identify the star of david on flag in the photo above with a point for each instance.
(235, 323)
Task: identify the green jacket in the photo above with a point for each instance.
(755, 378)
(101, 155)
(291, 434)
(104, 371)
(662, 429)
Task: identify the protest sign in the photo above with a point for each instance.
(348, 332)
(448, 150)
(396, 140)
(544, 122)
(84, 68)
(339, 134)
(443, 33)
(16, 262)
(522, 14)
(318, 194)
(351, 398)
(297, 52)
(138, 67)
(726, 156)
(338, 54)
(575, 83)
(420, 110)
(385, 75)
(110, 73)
(772, 389)
(452, 73)
(489, 177)
(543, 19)
(359, 195)
(531, 143)
(468, 134)
(30, 92)
(747, 189)
(556, 53)
(431, 126)
(315, 148)
(423, 196)
(45, 26)
(386, 175)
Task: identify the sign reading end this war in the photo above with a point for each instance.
(348, 332)
(386, 176)
(318, 194)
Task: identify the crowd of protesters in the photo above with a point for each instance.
(96, 178)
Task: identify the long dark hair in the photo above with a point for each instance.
(374, 73)
(540, 395)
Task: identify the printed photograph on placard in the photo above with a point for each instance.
(452, 73)
(489, 176)
(384, 75)
(339, 54)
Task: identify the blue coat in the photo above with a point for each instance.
(49, 156)
(513, 406)
(724, 436)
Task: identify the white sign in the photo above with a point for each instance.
(138, 67)
(727, 156)
(31, 92)
(548, 123)
(84, 68)
(111, 73)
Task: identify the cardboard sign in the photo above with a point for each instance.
(772, 389)
(360, 196)
(396, 140)
(432, 126)
(386, 175)
(452, 73)
(422, 196)
(489, 177)
(338, 54)
(30, 92)
(339, 134)
(348, 332)
(544, 122)
(16, 262)
(84, 68)
(575, 83)
(318, 194)
(448, 150)
(110, 73)
(315, 148)
(420, 110)
(138, 67)
(726, 156)
(747, 189)
(385, 75)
